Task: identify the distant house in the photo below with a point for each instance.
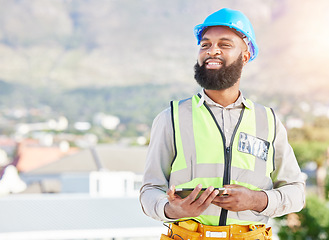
(98, 170)
(32, 155)
(88, 194)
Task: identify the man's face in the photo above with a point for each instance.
(221, 58)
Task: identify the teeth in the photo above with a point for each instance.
(214, 63)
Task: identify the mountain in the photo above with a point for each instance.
(71, 44)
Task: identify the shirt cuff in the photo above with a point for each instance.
(160, 210)
(271, 203)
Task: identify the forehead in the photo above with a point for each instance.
(220, 32)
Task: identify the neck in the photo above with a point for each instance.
(224, 97)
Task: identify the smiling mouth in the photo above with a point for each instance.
(213, 63)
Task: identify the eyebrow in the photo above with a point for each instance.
(222, 39)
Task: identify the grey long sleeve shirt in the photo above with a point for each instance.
(286, 196)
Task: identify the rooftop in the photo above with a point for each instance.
(110, 157)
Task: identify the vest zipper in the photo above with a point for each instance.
(226, 181)
(227, 168)
(228, 158)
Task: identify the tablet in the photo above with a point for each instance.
(184, 192)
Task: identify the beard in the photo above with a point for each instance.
(218, 79)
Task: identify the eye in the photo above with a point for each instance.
(225, 45)
(204, 45)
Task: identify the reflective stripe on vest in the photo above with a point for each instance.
(202, 157)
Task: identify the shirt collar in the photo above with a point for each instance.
(240, 101)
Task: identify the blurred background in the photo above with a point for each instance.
(81, 82)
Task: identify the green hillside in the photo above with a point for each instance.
(69, 44)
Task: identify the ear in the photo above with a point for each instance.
(245, 57)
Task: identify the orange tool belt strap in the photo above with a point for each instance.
(238, 232)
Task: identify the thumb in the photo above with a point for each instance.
(229, 188)
(171, 192)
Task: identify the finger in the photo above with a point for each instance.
(225, 191)
(206, 203)
(233, 188)
(222, 199)
(220, 203)
(192, 196)
(205, 195)
(216, 199)
(216, 192)
(225, 199)
(212, 196)
(171, 193)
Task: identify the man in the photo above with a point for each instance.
(219, 139)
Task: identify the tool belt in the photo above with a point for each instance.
(237, 232)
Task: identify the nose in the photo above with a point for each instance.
(214, 51)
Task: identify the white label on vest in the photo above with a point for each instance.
(216, 234)
(253, 145)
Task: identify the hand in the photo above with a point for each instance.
(240, 198)
(178, 207)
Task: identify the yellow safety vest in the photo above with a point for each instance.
(201, 155)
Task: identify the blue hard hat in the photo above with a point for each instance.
(233, 19)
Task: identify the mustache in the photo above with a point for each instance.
(218, 58)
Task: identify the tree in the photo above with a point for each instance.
(311, 144)
(311, 223)
(316, 152)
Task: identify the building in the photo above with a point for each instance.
(90, 194)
